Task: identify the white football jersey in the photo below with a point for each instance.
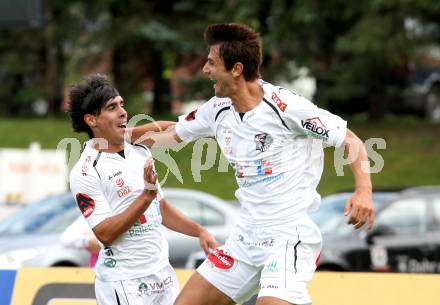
(106, 184)
(276, 150)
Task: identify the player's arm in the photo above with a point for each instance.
(173, 219)
(197, 124)
(112, 227)
(164, 139)
(150, 133)
(359, 207)
(93, 245)
(305, 118)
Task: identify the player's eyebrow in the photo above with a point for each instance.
(112, 102)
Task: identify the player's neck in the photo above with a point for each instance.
(247, 96)
(103, 145)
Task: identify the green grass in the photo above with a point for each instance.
(412, 154)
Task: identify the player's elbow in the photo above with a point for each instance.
(104, 234)
(106, 240)
(352, 140)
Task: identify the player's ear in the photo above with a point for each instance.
(90, 120)
(237, 69)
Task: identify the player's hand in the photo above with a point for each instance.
(207, 241)
(150, 178)
(359, 209)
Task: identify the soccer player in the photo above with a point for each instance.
(274, 140)
(115, 187)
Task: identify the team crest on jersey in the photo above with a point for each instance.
(263, 141)
(221, 259)
(191, 116)
(85, 203)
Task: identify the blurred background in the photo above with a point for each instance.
(368, 61)
(376, 63)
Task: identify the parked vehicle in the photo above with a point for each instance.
(7, 209)
(329, 218)
(217, 215)
(31, 237)
(330, 215)
(405, 237)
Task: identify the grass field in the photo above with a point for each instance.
(411, 157)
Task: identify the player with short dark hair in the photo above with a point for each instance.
(274, 140)
(115, 187)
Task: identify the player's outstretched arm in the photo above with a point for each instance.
(359, 207)
(144, 134)
(111, 228)
(166, 138)
(173, 219)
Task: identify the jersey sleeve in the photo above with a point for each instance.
(306, 118)
(197, 124)
(89, 196)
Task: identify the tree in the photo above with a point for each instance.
(354, 49)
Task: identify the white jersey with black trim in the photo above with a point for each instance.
(276, 150)
(106, 184)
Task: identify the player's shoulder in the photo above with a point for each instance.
(140, 148)
(284, 98)
(218, 103)
(219, 106)
(83, 168)
(210, 109)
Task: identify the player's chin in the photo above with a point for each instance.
(119, 137)
(121, 131)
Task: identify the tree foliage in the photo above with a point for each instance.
(354, 49)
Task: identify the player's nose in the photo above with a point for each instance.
(205, 69)
(122, 112)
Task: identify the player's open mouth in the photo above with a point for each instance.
(123, 125)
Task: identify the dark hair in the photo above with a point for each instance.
(88, 97)
(238, 43)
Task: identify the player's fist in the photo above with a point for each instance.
(150, 178)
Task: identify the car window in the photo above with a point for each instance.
(198, 212)
(61, 222)
(406, 216)
(36, 216)
(212, 217)
(330, 216)
(191, 208)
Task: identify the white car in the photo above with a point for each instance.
(31, 237)
(216, 215)
(7, 209)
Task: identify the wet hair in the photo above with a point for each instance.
(88, 97)
(238, 43)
